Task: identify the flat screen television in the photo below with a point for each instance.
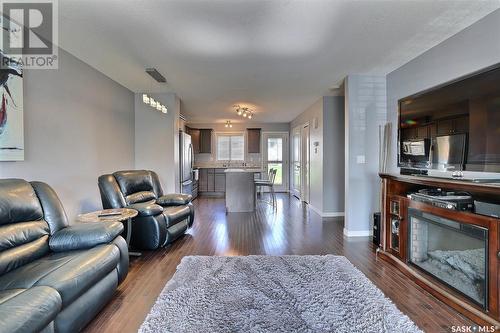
(455, 126)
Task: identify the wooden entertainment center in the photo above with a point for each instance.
(395, 247)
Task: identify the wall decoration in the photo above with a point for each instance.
(11, 110)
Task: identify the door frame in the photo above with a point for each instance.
(286, 157)
(304, 191)
(293, 191)
(305, 163)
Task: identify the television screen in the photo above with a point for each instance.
(460, 119)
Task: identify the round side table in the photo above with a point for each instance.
(117, 214)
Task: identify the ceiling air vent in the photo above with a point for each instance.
(156, 75)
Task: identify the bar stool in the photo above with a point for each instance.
(268, 183)
(260, 179)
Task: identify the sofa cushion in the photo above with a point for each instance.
(175, 199)
(28, 310)
(175, 214)
(133, 181)
(18, 202)
(141, 196)
(12, 235)
(20, 255)
(70, 273)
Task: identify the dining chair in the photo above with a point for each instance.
(268, 183)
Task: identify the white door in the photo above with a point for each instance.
(304, 157)
(296, 174)
(276, 156)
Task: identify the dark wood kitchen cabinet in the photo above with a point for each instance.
(211, 180)
(445, 127)
(203, 180)
(408, 133)
(205, 141)
(461, 125)
(195, 139)
(253, 145)
(423, 132)
(219, 180)
(453, 126)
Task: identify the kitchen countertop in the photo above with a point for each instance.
(206, 166)
(254, 170)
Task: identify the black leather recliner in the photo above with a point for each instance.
(161, 219)
(54, 277)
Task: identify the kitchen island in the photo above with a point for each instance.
(240, 190)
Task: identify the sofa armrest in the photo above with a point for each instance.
(28, 310)
(174, 199)
(85, 235)
(147, 208)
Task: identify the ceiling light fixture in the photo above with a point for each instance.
(245, 112)
(148, 100)
(228, 124)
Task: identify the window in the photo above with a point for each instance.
(230, 147)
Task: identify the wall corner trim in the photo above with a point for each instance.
(357, 233)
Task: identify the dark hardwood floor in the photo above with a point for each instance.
(291, 229)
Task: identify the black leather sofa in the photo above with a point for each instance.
(54, 277)
(162, 218)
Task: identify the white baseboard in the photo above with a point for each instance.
(332, 214)
(325, 214)
(357, 233)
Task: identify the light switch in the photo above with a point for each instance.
(360, 159)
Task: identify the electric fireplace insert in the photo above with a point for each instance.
(453, 252)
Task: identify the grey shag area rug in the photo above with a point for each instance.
(272, 294)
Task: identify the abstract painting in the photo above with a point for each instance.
(11, 110)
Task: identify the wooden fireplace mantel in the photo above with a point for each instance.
(395, 189)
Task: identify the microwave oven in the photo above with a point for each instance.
(415, 152)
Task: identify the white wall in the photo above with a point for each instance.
(365, 111)
(79, 124)
(472, 49)
(326, 170)
(157, 139)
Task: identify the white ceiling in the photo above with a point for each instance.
(277, 56)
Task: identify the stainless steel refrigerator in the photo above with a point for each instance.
(448, 152)
(186, 163)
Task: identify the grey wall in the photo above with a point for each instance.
(333, 156)
(472, 49)
(157, 139)
(365, 107)
(79, 124)
(326, 195)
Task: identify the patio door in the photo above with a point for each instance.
(275, 155)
